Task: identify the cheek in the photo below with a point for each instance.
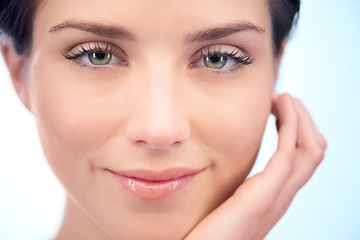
(236, 130)
(72, 117)
(235, 124)
(231, 129)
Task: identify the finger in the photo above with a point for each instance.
(312, 152)
(310, 149)
(321, 139)
(298, 179)
(284, 110)
(318, 136)
(274, 111)
(309, 153)
(279, 168)
(306, 131)
(309, 136)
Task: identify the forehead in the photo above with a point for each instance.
(157, 19)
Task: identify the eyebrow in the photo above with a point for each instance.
(96, 28)
(118, 32)
(223, 31)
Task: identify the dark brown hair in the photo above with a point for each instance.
(284, 14)
(16, 20)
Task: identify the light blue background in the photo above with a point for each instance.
(321, 67)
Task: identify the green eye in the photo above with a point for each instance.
(215, 61)
(100, 58)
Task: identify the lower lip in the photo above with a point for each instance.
(153, 190)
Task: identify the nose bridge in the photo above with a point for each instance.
(160, 122)
(161, 110)
(161, 89)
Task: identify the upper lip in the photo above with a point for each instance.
(157, 175)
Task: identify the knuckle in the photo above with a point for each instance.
(289, 153)
(317, 154)
(288, 158)
(297, 102)
(267, 207)
(325, 145)
(285, 95)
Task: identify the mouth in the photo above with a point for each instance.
(152, 185)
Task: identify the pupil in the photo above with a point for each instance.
(215, 58)
(100, 55)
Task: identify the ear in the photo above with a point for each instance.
(278, 57)
(17, 68)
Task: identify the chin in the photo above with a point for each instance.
(154, 227)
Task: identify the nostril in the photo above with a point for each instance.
(141, 143)
(157, 145)
(157, 132)
(177, 143)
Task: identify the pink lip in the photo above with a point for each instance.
(155, 185)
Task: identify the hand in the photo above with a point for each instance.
(259, 203)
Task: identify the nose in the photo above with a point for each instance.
(159, 121)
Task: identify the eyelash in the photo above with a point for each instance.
(239, 56)
(84, 49)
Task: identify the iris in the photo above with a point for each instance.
(100, 58)
(215, 61)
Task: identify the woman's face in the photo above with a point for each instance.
(151, 113)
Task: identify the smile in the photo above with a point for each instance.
(155, 185)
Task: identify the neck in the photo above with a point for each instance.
(78, 225)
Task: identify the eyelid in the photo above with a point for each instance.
(237, 54)
(76, 52)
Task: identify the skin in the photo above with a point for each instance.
(162, 109)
